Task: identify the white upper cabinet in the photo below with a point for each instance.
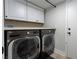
(35, 13)
(23, 11)
(15, 10)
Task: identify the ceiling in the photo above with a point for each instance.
(44, 4)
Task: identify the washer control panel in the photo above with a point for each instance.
(15, 34)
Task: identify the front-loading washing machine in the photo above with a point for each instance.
(21, 44)
(48, 42)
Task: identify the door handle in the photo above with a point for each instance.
(69, 28)
(69, 33)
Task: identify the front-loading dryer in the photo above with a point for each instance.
(48, 42)
(22, 44)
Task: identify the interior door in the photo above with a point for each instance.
(71, 29)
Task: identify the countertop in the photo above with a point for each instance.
(23, 28)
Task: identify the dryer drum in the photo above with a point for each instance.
(48, 43)
(25, 48)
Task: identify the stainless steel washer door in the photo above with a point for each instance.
(24, 48)
(48, 43)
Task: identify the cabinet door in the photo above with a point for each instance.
(15, 9)
(35, 14)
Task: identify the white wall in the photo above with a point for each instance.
(59, 18)
(55, 17)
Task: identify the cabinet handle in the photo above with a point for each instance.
(2, 50)
(6, 16)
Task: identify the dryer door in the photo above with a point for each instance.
(48, 43)
(24, 48)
